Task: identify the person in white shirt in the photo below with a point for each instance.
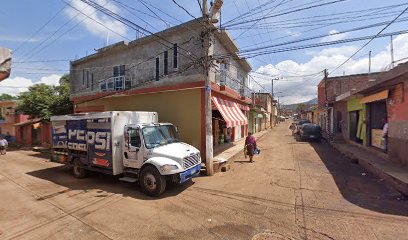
(385, 134)
(3, 145)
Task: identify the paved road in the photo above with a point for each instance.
(294, 190)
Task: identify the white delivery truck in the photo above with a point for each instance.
(132, 144)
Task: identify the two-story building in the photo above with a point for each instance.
(164, 73)
(261, 116)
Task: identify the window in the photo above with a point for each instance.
(102, 86)
(119, 83)
(122, 70)
(157, 69)
(110, 85)
(166, 63)
(135, 138)
(87, 79)
(92, 81)
(119, 70)
(83, 77)
(175, 56)
(116, 71)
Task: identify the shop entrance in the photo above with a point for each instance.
(357, 126)
(377, 111)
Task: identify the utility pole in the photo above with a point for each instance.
(208, 110)
(369, 61)
(326, 105)
(272, 87)
(392, 52)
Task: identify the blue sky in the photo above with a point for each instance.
(78, 37)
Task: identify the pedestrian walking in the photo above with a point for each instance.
(385, 133)
(3, 145)
(250, 144)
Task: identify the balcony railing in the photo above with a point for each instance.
(115, 84)
(223, 79)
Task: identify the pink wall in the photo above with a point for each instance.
(397, 106)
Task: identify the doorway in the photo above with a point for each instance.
(354, 119)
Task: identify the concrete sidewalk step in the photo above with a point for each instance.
(393, 174)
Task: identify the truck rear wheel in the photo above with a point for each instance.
(152, 182)
(78, 170)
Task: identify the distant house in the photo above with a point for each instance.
(8, 118)
(262, 113)
(164, 73)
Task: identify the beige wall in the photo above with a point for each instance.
(182, 108)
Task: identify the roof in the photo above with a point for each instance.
(221, 34)
(346, 77)
(28, 122)
(388, 78)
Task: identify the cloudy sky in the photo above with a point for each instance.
(45, 35)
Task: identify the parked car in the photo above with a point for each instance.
(299, 125)
(310, 131)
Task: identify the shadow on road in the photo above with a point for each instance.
(62, 175)
(358, 186)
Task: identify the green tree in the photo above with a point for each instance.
(7, 97)
(300, 107)
(62, 105)
(44, 101)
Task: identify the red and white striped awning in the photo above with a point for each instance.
(231, 112)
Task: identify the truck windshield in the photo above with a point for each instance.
(155, 136)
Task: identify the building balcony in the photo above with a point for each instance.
(115, 84)
(224, 80)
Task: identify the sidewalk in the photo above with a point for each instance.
(222, 158)
(394, 174)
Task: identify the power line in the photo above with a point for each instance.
(320, 27)
(299, 47)
(31, 52)
(285, 13)
(185, 10)
(39, 30)
(133, 25)
(377, 35)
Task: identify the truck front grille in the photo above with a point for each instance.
(191, 161)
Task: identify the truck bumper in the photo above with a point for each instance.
(190, 173)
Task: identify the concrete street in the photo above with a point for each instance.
(294, 190)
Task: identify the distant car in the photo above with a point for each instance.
(310, 131)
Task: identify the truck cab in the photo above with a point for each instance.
(154, 154)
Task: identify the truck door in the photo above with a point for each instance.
(133, 151)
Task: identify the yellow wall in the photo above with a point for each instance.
(182, 108)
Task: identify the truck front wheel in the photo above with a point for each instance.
(152, 182)
(78, 170)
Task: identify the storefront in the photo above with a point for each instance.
(356, 121)
(376, 109)
(229, 121)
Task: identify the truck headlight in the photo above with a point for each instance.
(168, 168)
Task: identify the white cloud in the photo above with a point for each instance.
(299, 87)
(18, 39)
(17, 85)
(94, 27)
(50, 80)
(334, 35)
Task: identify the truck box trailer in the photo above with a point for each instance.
(132, 144)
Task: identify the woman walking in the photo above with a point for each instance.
(250, 144)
